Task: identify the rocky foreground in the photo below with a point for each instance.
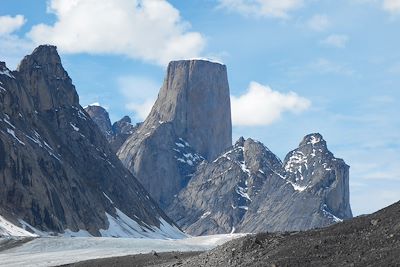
(372, 240)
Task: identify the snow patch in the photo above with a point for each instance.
(180, 145)
(9, 229)
(7, 73)
(242, 192)
(205, 214)
(330, 215)
(123, 226)
(109, 199)
(74, 127)
(314, 140)
(12, 133)
(297, 187)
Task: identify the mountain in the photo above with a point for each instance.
(249, 189)
(183, 157)
(372, 240)
(58, 173)
(117, 133)
(190, 121)
(101, 117)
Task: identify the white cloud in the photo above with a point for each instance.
(336, 40)
(261, 105)
(12, 47)
(149, 30)
(140, 94)
(10, 24)
(392, 6)
(319, 22)
(261, 8)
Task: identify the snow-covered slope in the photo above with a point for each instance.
(9, 229)
(120, 226)
(249, 189)
(58, 251)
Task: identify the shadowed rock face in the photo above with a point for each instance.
(46, 81)
(100, 116)
(57, 170)
(190, 120)
(117, 133)
(248, 189)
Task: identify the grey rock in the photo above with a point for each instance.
(117, 133)
(248, 189)
(122, 129)
(100, 116)
(57, 170)
(355, 242)
(193, 110)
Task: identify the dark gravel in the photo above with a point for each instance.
(372, 240)
(151, 259)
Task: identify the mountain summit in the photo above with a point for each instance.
(58, 174)
(190, 121)
(249, 189)
(183, 157)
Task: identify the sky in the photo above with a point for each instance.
(294, 67)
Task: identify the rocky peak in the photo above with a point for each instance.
(46, 80)
(193, 107)
(314, 168)
(42, 56)
(117, 133)
(58, 174)
(100, 116)
(240, 141)
(249, 189)
(123, 126)
(195, 99)
(314, 139)
(4, 70)
(302, 163)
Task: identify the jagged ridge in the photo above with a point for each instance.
(58, 173)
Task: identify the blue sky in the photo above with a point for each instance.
(294, 67)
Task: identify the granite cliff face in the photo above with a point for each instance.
(58, 174)
(117, 133)
(190, 121)
(248, 189)
(100, 116)
(182, 157)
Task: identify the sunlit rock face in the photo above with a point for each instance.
(190, 121)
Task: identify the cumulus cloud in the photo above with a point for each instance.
(149, 30)
(12, 47)
(140, 94)
(9, 24)
(318, 22)
(392, 6)
(336, 40)
(261, 105)
(261, 8)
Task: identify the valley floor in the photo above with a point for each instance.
(60, 251)
(372, 240)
